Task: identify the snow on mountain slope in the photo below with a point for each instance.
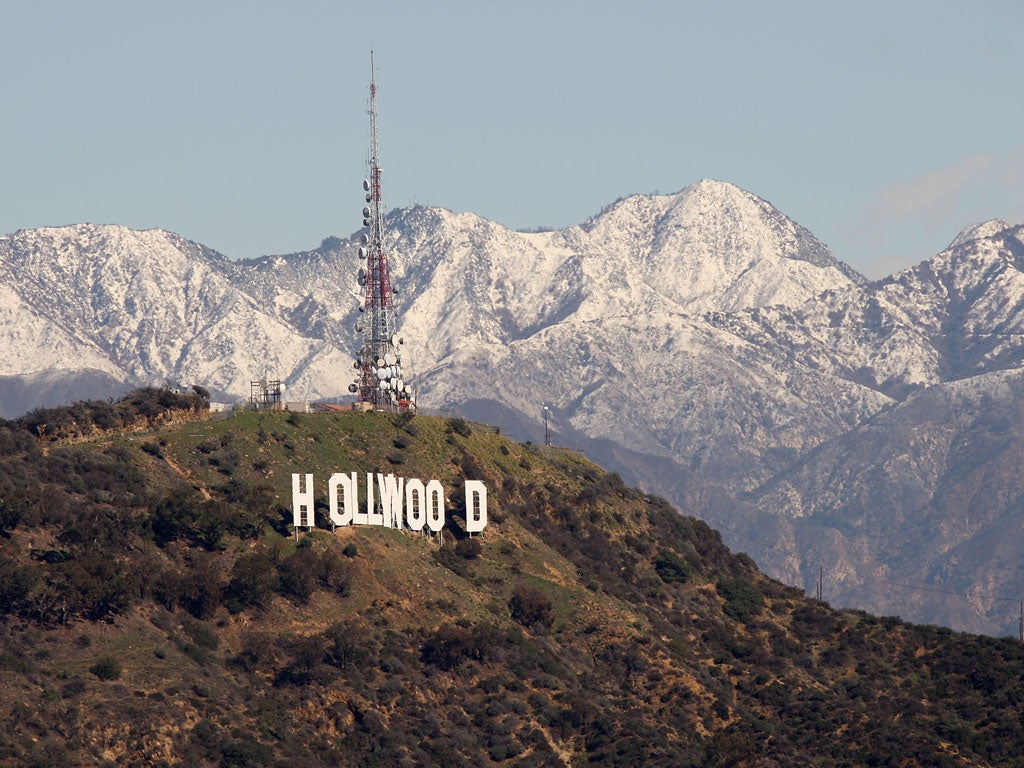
(32, 344)
(714, 246)
(956, 315)
(702, 339)
(150, 306)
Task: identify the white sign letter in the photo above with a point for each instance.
(302, 502)
(361, 518)
(435, 505)
(392, 493)
(415, 504)
(349, 500)
(476, 506)
(374, 515)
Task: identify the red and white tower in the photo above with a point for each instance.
(381, 381)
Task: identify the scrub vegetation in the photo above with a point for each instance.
(157, 609)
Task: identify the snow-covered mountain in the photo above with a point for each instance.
(701, 343)
(143, 307)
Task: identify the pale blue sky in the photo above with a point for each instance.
(883, 127)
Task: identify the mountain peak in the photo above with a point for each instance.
(980, 231)
(715, 188)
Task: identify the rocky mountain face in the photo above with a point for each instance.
(702, 344)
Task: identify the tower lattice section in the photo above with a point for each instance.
(381, 381)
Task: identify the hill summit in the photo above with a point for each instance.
(158, 609)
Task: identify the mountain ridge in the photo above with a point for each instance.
(702, 332)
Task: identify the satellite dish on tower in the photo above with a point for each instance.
(380, 371)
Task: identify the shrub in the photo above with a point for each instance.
(468, 548)
(530, 607)
(48, 753)
(448, 647)
(153, 449)
(253, 580)
(16, 583)
(334, 573)
(106, 668)
(459, 426)
(672, 569)
(450, 559)
(73, 688)
(201, 588)
(201, 633)
(298, 574)
(743, 600)
(187, 515)
(471, 468)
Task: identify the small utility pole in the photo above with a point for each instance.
(547, 430)
(821, 578)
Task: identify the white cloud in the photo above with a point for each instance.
(912, 220)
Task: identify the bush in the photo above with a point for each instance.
(531, 607)
(334, 573)
(298, 574)
(106, 668)
(153, 449)
(672, 569)
(450, 559)
(201, 588)
(468, 548)
(49, 753)
(201, 633)
(252, 584)
(459, 427)
(743, 600)
(452, 644)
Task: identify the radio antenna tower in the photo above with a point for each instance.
(381, 383)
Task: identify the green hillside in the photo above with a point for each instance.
(157, 609)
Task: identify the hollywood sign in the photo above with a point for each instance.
(390, 502)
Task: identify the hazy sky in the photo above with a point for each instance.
(883, 127)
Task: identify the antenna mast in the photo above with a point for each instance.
(381, 384)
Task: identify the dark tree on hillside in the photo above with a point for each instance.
(531, 607)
